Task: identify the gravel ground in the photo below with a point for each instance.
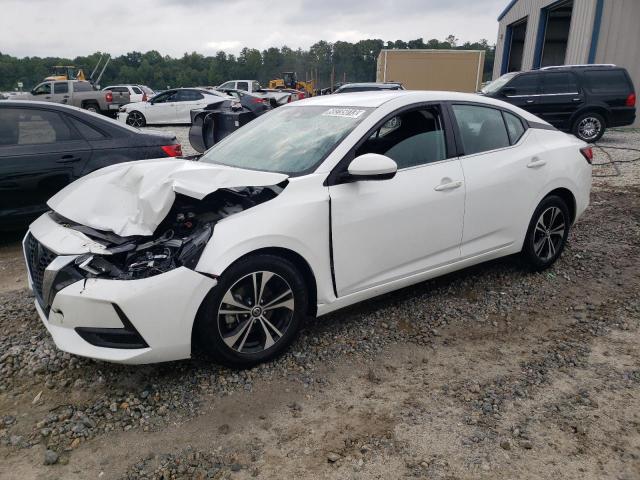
(492, 372)
(182, 134)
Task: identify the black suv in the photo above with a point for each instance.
(581, 99)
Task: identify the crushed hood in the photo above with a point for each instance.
(133, 198)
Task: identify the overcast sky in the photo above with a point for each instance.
(78, 27)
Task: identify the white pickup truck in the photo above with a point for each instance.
(79, 94)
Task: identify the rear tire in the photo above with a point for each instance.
(92, 107)
(589, 127)
(254, 312)
(547, 233)
(136, 119)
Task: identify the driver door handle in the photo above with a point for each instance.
(448, 186)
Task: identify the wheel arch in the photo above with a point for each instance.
(298, 261)
(568, 197)
(593, 108)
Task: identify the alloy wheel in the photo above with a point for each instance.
(135, 119)
(589, 128)
(256, 312)
(549, 233)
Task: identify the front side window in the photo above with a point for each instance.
(42, 89)
(165, 97)
(228, 85)
(26, 126)
(498, 83)
(481, 128)
(136, 90)
(312, 133)
(524, 85)
(411, 138)
(558, 83)
(61, 87)
(256, 86)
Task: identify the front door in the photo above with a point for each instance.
(524, 92)
(387, 230)
(162, 109)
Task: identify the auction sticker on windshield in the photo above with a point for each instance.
(343, 112)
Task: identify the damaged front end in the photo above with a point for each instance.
(178, 241)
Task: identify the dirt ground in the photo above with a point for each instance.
(491, 373)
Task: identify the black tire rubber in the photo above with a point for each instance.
(91, 106)
(144, 120)
(528, 253)
(603, 123)
(207, 334)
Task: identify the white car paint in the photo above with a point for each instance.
(174, 110)
(427, 221)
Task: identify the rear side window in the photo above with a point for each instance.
(515, 129)
(607, 81)
(89, 133)
(558, 83)
(82, 87)
(243, 86)
(188, 96)
(524, 85)
(481, 128)
(61, 87)
(26, 126)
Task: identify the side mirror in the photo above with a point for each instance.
(371, 166)
(508, 91)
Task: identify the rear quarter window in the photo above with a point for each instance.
(607, 81)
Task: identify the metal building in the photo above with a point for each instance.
(539, 33)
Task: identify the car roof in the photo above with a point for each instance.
(375, 99)
(371, 84)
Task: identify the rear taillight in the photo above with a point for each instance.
(108, 97)
(289, 99)
(587, 153)
(144, 97)
(173, 150)
(631, 100)
(301, 96)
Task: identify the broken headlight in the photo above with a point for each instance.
(131, 261)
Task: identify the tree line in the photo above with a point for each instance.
(342, 61)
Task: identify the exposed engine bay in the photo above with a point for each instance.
(179, 240)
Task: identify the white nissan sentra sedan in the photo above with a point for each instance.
(309, 208)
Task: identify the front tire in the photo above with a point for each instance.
(254, 313)
(547, 233)
(589, 127)
(136, 119)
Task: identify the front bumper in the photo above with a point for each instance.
(85, 316)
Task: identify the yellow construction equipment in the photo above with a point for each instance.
(65, 72)
(290, 80)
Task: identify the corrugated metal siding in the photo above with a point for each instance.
(579, 33)
(619, 38)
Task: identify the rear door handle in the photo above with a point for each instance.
(535, 163)
(68, 159)
(530, 101)
(448, 186)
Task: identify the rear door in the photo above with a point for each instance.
(40, 153)
(60, 92)
(560, 98)
(187, 100)
(503, 173)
